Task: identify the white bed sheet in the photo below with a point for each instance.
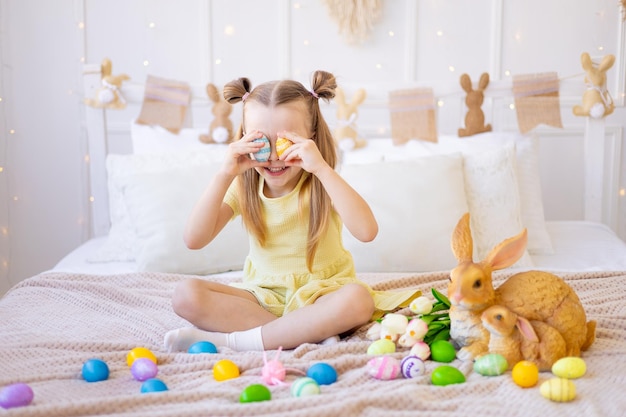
(579, 246)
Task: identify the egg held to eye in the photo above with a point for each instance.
(281, 145)
(263, 154)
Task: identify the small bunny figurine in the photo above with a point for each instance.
(517, 338)
(475, 118)
(109, 95)
(346, 134)
(535, 295)
(597, 102)
(221, 127)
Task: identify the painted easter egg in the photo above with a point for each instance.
(225, 369)
(144, 369)
(304, 386)
(570, 367)
(322, 373)
(281, 145)
(491, 364)
(442, 351)
(421, 350)
(446, 375)
(139, 352)
(558, 389)
(153, 385)
(381, 347)
(383, 367)
(263, 154)
(95, 370)
(16, 395)
(412, 366)
(525, 374)
(202, 347)
(254, 393)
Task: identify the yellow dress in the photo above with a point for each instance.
(276, 273)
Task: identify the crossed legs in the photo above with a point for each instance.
(232, 317)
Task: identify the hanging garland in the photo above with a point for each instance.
(355, 18)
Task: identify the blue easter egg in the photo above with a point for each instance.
(16, 395)
(263, 154)
(144, 369)
(153, 385)
(322, 373)
(202, 347)
(95, 370)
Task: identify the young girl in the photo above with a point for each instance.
(299, 282)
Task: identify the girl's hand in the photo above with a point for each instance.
(237, 160)
(304, 153)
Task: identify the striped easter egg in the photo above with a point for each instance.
(412, 366)
(383, 367)
(263, 154)
(304, 386)
(558, 389)
(281, 145)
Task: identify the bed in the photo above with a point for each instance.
(112, 294)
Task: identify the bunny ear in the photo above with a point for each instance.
(585, 60)
(211, 91)
(466, 83)
(484, 81)
(526, 329)
(106, 67)
(462, 243)
(507, 252)
(607, 62)
(358, 97)
(340, 96)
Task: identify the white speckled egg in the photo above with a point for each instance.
(570, 367)
(558, 389)
(491, 364)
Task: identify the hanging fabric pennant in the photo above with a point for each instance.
(165, 103)
(537, 100)
(412, 115)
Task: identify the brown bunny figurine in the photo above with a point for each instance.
(346, 134)
(597, 102)
(535, 295)
(475, 118)
(221, 127)
(109, 95)
(517, 338)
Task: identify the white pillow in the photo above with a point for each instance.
(417, 204)
(527, 173)
(121, 243)
(493, 200)
(148, 139)
(159, 205)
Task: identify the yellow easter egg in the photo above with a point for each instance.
(281, 145)
(381, 347)
(139, 352)
(525, 374)
(570, 367)
(225, 369)
(558, 389)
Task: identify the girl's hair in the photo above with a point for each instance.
(272, 94)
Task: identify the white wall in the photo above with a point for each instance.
(44, 198)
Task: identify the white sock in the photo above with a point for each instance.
(333, 340)
(180, 339)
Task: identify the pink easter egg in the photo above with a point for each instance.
(383, 367)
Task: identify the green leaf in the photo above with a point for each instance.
(440, 297)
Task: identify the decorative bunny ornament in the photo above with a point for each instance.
(221, 127)
(346, 134)
(475, 118)
(517, 338)
(597, 102)
(535, 295)
(109, 95)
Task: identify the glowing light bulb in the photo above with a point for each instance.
(440, 103)
(622, 192)
(306, 42)
(507, 73)
(1, 169)
(218, 61)
(518, 36)
(146, 62)
(151, 25)
(297, 5)
(229, 30)
(91, 199)
(451, 68)
(12, 131)
(440, 33)
(0, 98)
(512, 106)
(81, 25)
(379, 66)
(600, 48)
(391, 33)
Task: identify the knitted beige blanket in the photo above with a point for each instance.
(50, 324)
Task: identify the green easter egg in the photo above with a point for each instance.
(255, 393)
(491, 364)
(442, 351)
(381, 347)
(446, 375)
